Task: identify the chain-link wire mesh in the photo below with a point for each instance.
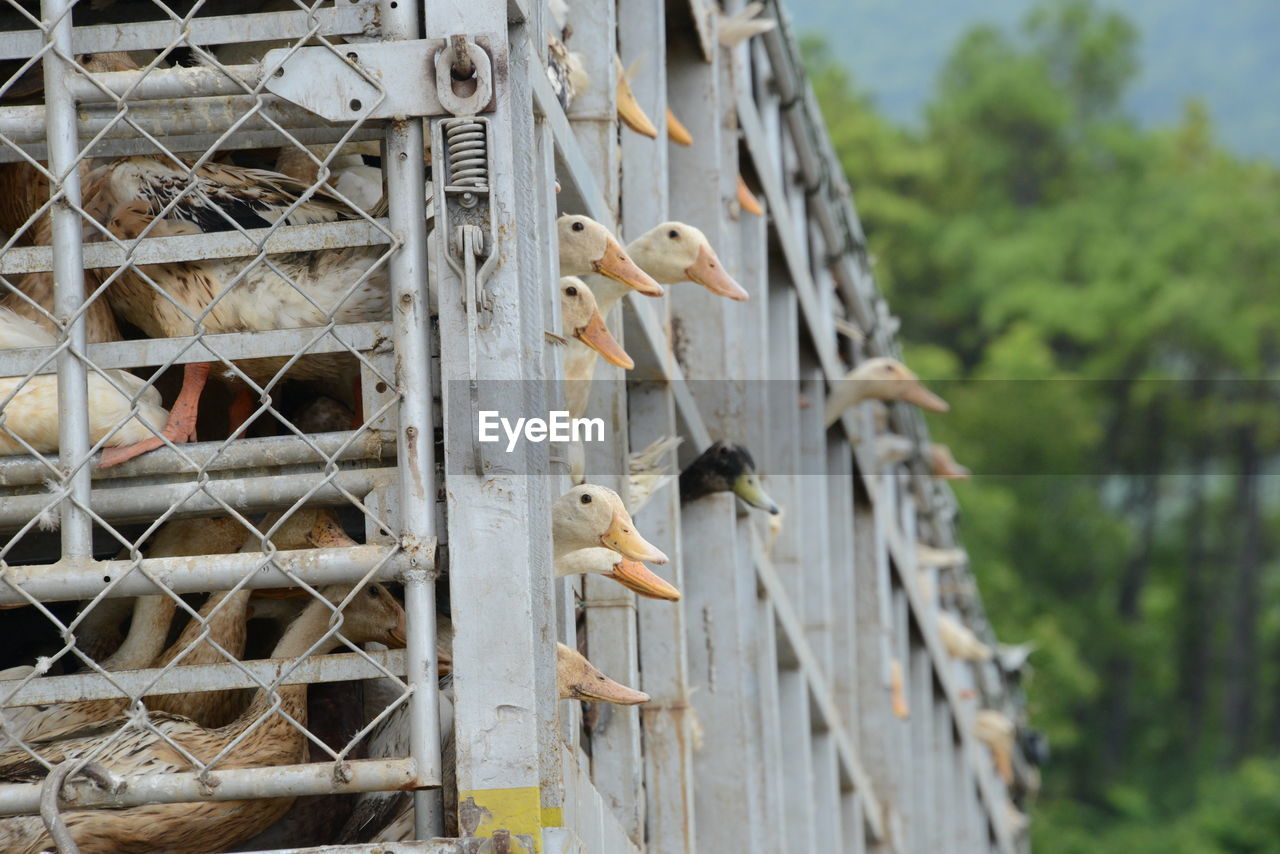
(231, 322)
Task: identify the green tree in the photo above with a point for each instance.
(1104, 297)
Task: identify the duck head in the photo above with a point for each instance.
(589, 516)
(725, 467)
(578, 679)
(944, 465)
(587, 247)
(580, 317)
(631, 574)
(884, 378)
(371, 614)
(674, 252)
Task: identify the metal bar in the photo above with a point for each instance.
(234, 784)
(231, 346)
(152, 84)
(797, 760)
(59, 126)
(925, 831)
(725, 793)
(840, 501)
(982, 771)
(826, 792)
(203, 677)
(581, 191)
(262, 453)
(184, 500)
(405, 176)
(177, 144)
(819, 691)
(73, 578)
(205, 246)
(433, 846)
(348, 18)
(177, 116)
(499, 530)
(778, 824)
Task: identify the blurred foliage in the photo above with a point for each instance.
(1105, 297)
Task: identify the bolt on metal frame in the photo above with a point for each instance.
(771, 726)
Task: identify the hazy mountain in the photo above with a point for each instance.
(1227, 53)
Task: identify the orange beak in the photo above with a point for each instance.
(898, 691)
(707, 271)
(617, 265)
(597, 336)
(598, 688)
(747, 199)
(400, 634)
(676, 131)
(634, 575)
(925, 399)
(622, 537)
(630, 111)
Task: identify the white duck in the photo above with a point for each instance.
(997, 732)
(881, 378)
(944, 465)
(586, 247)
(263, 736)
(737, 28)
(589, 516)
(581, 319)
(579, 679)
(672, 252)
(152, 197)
(960, 641)
(29, 406)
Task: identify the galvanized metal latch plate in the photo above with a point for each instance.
(381, 80)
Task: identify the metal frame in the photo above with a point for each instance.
(246, 476)
(771, 725)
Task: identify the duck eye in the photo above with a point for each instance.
(578, 226)
(586, 498)
(673, 234)
(573, 292)
(373, 592)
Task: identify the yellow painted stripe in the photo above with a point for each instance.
(518, 811)
(553, 817)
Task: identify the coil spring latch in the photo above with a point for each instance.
(462, 162)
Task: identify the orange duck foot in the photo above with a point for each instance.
(181, 426)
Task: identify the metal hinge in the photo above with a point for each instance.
(386, 80)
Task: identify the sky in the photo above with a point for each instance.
(1226, 52)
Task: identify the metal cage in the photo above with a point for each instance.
(801, 697)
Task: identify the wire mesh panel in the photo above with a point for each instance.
(208, 404)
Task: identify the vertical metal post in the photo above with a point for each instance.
(68, 277)
(499, 526)
(406, 179)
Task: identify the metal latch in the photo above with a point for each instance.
(382, 80)
(461, 164)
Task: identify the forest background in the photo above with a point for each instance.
(1098, 296)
